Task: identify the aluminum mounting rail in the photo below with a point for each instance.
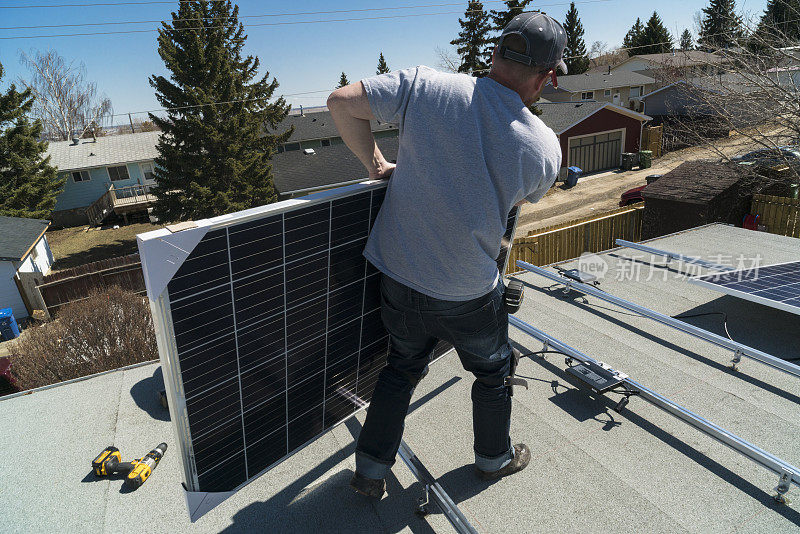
(674, 256)
(738, 349)
(434, 491)
(787, 473)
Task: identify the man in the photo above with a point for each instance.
(470, 149)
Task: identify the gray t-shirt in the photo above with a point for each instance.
(469, 150)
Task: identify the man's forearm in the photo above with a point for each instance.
(350, 110)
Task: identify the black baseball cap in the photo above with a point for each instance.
(545, 38)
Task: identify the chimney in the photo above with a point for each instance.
(94, 135)
(301, 110)
(75, 139)
(609, 69)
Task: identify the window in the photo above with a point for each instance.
(637, 91)
(147, 172)
(607, 92)
(118, 173)
(587, 95)
(291, 146)
(80, 176)
(326, 142)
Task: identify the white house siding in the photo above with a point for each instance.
(9, 294)
(82, 194)
(39, 260)
(632, 65)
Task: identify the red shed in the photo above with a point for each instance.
(593, 134)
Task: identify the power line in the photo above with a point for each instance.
(257, 16)
(99, 4)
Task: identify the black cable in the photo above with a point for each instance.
(723, 314)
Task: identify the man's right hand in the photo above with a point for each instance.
(382, 171)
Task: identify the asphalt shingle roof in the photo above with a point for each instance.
(328, 166)
(594, 81)
(695, 181)
(18, 235)
(108, 150)
(559, 116)
(682, 58)
(319, 125)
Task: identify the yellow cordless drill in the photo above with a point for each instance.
(109, 462)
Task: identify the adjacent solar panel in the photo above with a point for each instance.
(268, 323)
(777, 286)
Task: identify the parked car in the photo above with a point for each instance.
(767, 158)
(632, 196)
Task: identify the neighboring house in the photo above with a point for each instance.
(622, 89)
(23, 249)
(315, 129)
(91, 166)
(301, 172)
(679, 63)
(593, 135)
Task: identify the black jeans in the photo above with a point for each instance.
(478, 329)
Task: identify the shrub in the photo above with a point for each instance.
(107, 330)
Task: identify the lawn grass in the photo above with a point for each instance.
(76, 246)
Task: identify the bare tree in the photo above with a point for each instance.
(448, 60)
(65, 102)
(598, 48)
(751, 90)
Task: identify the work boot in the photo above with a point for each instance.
(369, 486)
(521, 459)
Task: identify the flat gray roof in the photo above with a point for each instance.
(592, 469)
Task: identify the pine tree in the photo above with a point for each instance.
(780, 22)
(29, 185)
(473, 40)
(577, 60)
(655, 38)
(343, 80)
(633, 38)
(720, 26)
(687, 43)
(214, 154)
(383, 68)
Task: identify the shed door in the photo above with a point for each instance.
(596, 152)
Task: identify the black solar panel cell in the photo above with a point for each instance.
(778, 283)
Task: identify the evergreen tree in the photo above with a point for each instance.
(577, 60)
(215, 150)
(687, 43)
(780, 22)
(383, 68)
(343, 80)
(633, 38)
(655, 38)
(29, 185)
(473, 40)
(720, 26)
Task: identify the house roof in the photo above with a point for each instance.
(319, 125)
(600, 80)
(294, 171)
(108, 150)
(18, 235)
(695, 181)
(679, 58)
(642, 468)
(561, 116)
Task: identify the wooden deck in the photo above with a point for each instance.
(120, 201)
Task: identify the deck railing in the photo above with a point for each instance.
(117, 197)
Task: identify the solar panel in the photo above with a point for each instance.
(268, 322)
(777, 286)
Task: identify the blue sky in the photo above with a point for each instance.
(303, 57)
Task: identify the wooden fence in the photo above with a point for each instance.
(780, 215)
(571, 239)
(77, 283)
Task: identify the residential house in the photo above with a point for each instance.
(92, 166)
(622, 89)
(23, 249)
(678, 63)
(593, 135)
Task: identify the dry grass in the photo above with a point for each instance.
(106, 331)
(76, 246)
